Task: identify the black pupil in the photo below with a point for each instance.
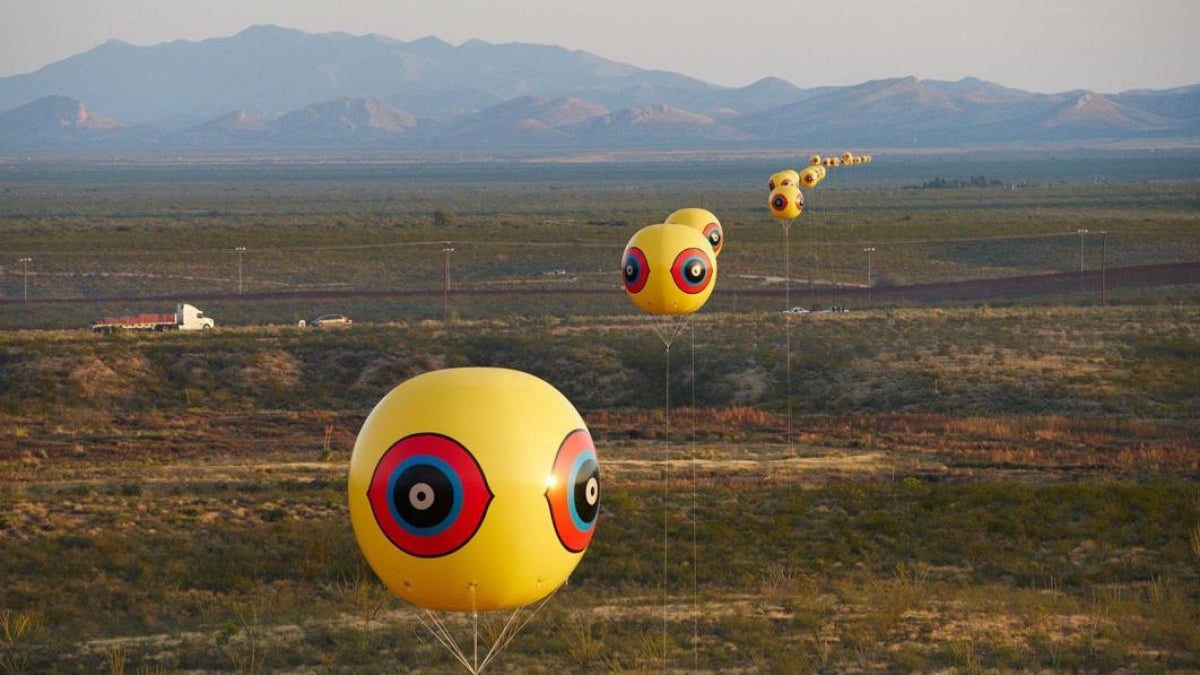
(423, 495)
(694, 271)
(587, 491)
(714, 237)
(631, 269)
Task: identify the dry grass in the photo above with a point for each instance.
(120, 488)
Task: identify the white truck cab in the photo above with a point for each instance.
(188, 317)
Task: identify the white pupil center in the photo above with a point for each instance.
(420, 496)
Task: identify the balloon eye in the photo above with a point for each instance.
(428, 495)
(715, 236)
(692, 270)
(574, 491)
(779, 202)
(771, 185)
(634, 270)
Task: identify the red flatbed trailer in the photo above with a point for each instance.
(185, 317)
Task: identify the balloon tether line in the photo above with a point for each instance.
(666, 490)
(514, 624)
(667, 328)
(787, 322)
(695, 516)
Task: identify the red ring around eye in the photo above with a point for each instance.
(635, 271)
(692, 270)
(429, 495)
(574, 491)
(715, 236)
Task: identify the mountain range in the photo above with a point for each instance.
(272, 87)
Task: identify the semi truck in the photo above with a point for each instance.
(186, 317)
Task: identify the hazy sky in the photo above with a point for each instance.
(1039, 45)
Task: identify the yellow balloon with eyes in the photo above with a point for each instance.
(811, 175)
(786, 203)
(781, 178)
(474, 489)
(704, 221)
(669, 269)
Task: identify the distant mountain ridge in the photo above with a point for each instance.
(274, 87)
(55, 116)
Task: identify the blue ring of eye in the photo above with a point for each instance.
(576, 469)
(455, 485)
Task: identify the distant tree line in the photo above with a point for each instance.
(940, 183)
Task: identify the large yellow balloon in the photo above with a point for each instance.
(705, 222)
(781, 178)
(669, 269)
(786, 203)
(474, 489)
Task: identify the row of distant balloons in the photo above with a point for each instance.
(478, 489)
(683, 249)
(787, 200)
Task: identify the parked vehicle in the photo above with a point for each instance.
(795, 310)
(186, 317)
(331, 321)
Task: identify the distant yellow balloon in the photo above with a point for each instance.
(781, 178)
(786, 202)
(668, 269)
(847, 158)
(473, 489)
(815, 160)
(811, 175)
(704, 221)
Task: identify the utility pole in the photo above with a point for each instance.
(447, 249)
(241, 250)
(869, 251)
(25, 274)
(1103, 284)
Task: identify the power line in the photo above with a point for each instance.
(318, 249)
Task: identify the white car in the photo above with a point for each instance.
(331, 321)
(795, 310)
